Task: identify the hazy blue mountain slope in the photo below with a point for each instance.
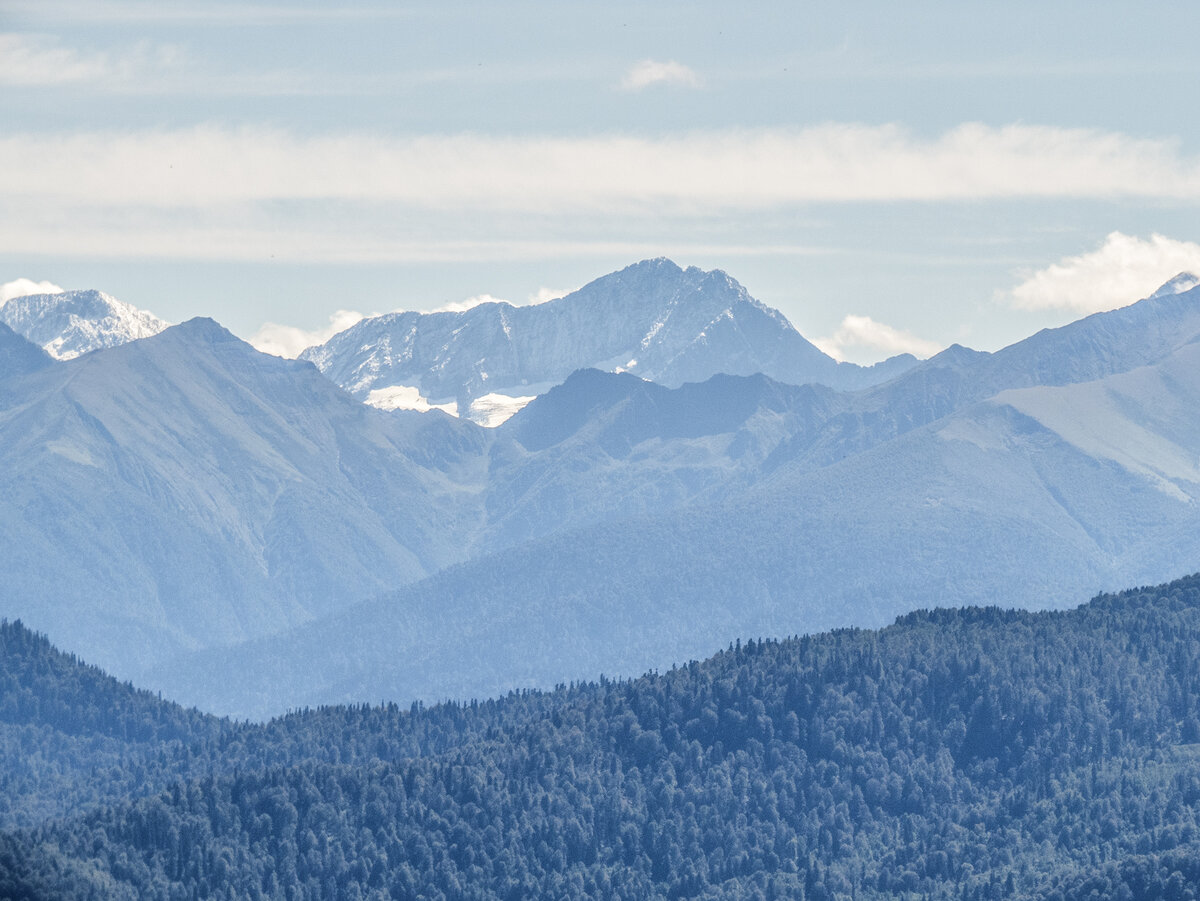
(72, 323)
(606, 445)
(1103, 343)
(185, 490)
(653, 319)
(19, 356)
(989, 505)
(1092, 348)
(621, 411)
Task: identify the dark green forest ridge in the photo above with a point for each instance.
(974, 753)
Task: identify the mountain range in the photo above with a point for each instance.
(1005, 502)
(237, 531)
(653, 319)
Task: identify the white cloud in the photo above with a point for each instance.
(1124, 269)
(23, 286)
(651, 72)
(39, 60)
(209, 167)
(288, 341)
(218, 193)
(544, 295)
(28, 60)
(461, 306)
(862, 339)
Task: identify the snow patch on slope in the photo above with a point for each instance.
(406, 397)
(489, 411)
(494, 409)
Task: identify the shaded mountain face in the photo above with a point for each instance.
(72, 323)
(603, 446)
(622, 411)
(19, 356)
(652, 319)
(186, 490)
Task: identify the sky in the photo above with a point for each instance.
(892, 177)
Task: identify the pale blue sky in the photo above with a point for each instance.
(926, 165)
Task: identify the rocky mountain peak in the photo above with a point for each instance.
(653, 318)
(72, 323)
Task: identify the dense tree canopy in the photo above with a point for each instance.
(977, 753)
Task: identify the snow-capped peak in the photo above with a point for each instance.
(71, 323)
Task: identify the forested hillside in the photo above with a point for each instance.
(976, 753)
